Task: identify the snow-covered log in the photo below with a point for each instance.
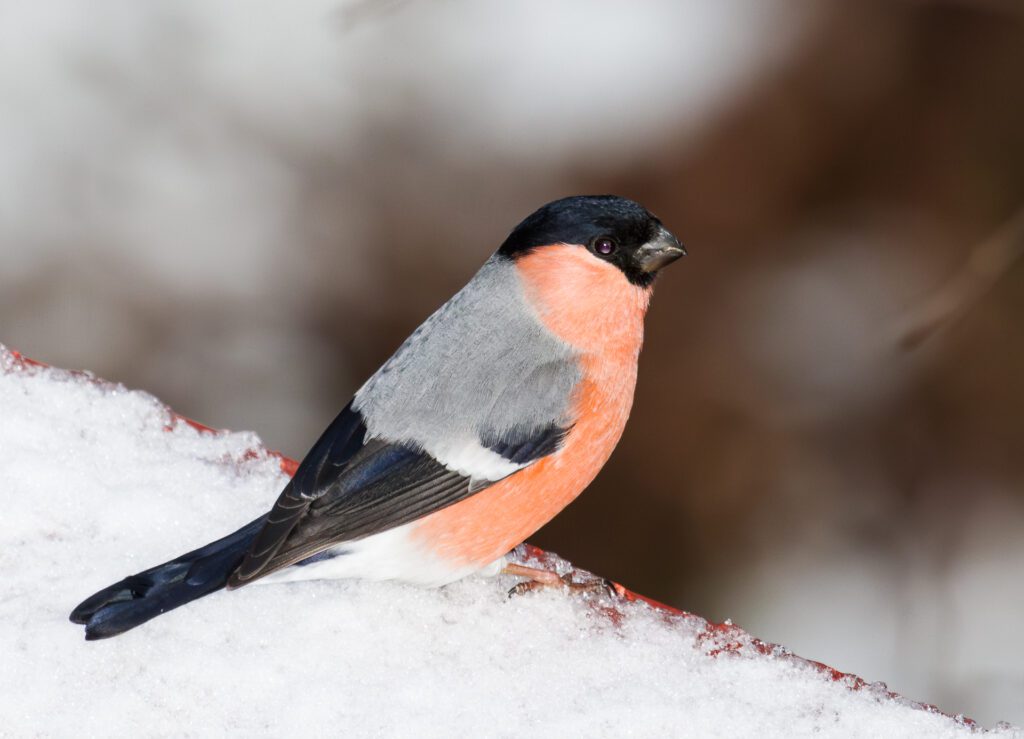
(99, 481)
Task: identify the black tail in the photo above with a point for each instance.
(138, 598)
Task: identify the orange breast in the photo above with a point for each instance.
(589, 304)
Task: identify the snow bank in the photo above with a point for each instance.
(99, 482)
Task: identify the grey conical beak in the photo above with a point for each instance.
(663, 249)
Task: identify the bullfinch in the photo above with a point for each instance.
(491, 417)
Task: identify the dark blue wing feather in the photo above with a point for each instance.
(347, 488)
(523, 446)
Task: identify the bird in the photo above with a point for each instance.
(491, 417)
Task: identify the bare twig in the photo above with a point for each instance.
(989, 261)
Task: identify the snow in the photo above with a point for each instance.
(99, 482)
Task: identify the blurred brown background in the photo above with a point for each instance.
(245, 207)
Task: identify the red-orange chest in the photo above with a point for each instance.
(590, 305)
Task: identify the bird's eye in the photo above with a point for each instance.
(605, 246)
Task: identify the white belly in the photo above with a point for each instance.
(389, 555)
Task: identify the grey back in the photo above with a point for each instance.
(483, 366)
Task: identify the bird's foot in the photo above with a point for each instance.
(538, 579)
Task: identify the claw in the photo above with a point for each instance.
(604, 585)
(524, 587)
(546, 579)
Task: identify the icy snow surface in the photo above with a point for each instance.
(99, 482)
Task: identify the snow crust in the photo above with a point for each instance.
(99, 482)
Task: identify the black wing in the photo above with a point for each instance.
(347, 488)
(344, 490)
(524, 445)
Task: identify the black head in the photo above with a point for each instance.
(611, 228)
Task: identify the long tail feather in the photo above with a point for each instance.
(138, 598)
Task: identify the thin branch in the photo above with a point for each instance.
(988, 262)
